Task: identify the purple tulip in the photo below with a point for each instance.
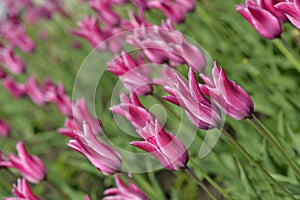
(69, 128)
(106, 159)
(200, 110)
(291, 10)
(104, 11)
(22, 191)
(132, 110)
(229, 96)
(164, 146)
(130, 192)
(135, 77)
(4, 129)
(14, 63)
(81, 113)
(34, 92)
(260, 15)
(16, 89)
(30, 166)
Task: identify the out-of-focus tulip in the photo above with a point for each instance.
(105, 12)
(135, 76)
(106, 159)
(22, 191)
(13, 62)
(229, 96)
(130, 192)
(16, 89)
(30, 166)
(4, 129)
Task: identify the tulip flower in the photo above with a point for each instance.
(261, 18)
(4, 128)
(30, 166)
(13, 62)
(164, 146)
(104, 11)
(130, 192)
(103, 157)
(35, 92)
(229, 96)
(16, 89)
(132, 109)
(200, 110)
(81, 113)
(22, 191)
(291, 10)
(135, 77)
(69, 129)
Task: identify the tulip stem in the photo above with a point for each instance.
(266, 133)
(254, 162)
(10, 173)
(284, 47)
(210, 180)
(57, 189)
(199, 182)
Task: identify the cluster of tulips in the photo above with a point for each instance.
(203, 101)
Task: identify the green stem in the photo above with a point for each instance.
(253, 161)
(210, 180)
(284, 47)
(266, 133)
(199, 182)
(57, 189)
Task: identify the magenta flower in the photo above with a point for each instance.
(30, 166)
(22, 191)
(13, 62)
(229, 96)
(103, 157)
(105, 12)
(81, 113)
(164, 146)
(69, 129)
(4, 129)
(89, 30)
(260, 14)
(87, 197)
(292, 10)
(200, 110)
(175, 11)
(16, 89)
(135, 77)
(123, 192)
(34, 92)
(132, 110)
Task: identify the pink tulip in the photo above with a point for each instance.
(69, 129)
(200, 110)
(291, 10)
(229, 96)
(104, 11)
(261, 18)
(87, 197)
(135, 77)
(22, 191)
(16, 89)
(14, 63)
(81, 113)
(164, 146)
(30, 166)
(103, 157)
(132, 110)
(89, 30)
(130, 192)
(35, 92)
(4, 129)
